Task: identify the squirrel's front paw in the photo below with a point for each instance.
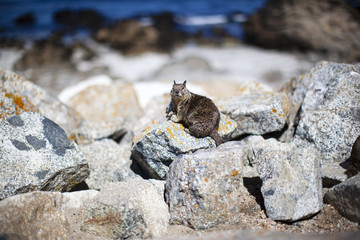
(174, 118)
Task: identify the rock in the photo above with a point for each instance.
(107, 102)
(256, 113)
(129, 36)
(333, 173)
(108, 162)
(295, 90)
(330, 112)
(43, 215)
(37, 155)
(205, 189)
(79, 18)
(291, 176)
(159, 144)
(18, 95)
(345, 197)
(124, 210)
(35, 215)
(330, 27)
(45, 52)
(25, 19)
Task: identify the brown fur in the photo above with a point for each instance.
(197, 113)
(355, 159)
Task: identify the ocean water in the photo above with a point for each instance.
(191, 15)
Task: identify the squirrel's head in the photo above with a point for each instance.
(179, 90)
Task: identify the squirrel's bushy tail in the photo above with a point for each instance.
(218, 140)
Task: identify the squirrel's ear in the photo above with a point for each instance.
(174, 82)
(184, 83)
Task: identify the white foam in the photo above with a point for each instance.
(66, 94)
(202, 20)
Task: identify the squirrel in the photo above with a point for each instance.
(197, 113)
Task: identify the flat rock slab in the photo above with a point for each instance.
(205, 189)
(35, 154)
(345, 197)
(158, 145)
(257, 113)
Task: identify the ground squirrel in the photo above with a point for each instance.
(198, 114)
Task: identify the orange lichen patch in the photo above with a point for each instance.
(170, 132)
(274, 110)
(242, 89)
(153, 122)
(206, 179)
(234, 173)
(21, 104)
(195, 205)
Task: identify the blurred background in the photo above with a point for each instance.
(216, 45)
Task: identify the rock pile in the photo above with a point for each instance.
(279, 149)
(328, 27)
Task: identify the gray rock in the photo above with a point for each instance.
(161, 141)
(108, 162)
(296, 90)
(43, 215)
(333, 173)
(124, 210)
(291, 176)
(205, 188)
(330, 113)
(36, 154)
(18, 95)
(345, 197)
(256, 113)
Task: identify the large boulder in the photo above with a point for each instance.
(43, 215)
(36, 154)
(125, 210)
(108, 162)
(106, 102)
(256, 113)
(205, 189)
(18, 95)
(291, 178)
(345, 197)
(330, 112)
(331, 27)
(162, 140)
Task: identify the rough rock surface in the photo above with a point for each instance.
(124, 210)
(205, 189)
(330, 113)
(256, 113)
(107, 102)
(291, 179)
(108, 162)
(345, 197)
(159, 144)
(18, 95)
(331, 27)
(36, 154)
(43, 215)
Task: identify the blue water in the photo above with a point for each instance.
(43, 10)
